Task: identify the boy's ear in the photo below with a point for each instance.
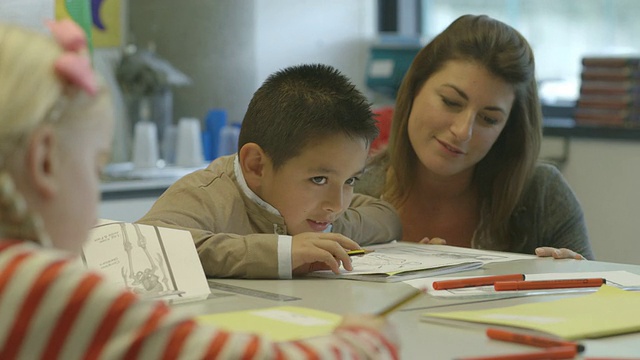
(252, 162)
(41, 162)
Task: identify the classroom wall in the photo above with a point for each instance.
(212, 42)
(29, 13)
(229, 47)
(605, 175)
(333, 32)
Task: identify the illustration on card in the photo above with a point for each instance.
(133, 253)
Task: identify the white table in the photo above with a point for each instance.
(420, 340)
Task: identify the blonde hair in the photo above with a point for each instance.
(503, 174)
(29, 87)
(31, 94)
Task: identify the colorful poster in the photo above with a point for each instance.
(101, 19)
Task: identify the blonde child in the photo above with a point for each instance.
(55, 135)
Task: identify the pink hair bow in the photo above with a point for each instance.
(73, 65)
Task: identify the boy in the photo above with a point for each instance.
(271, 210)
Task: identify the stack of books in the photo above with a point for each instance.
(609, 92)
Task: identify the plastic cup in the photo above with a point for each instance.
(145, 145)
(189, 143)
(168, 146)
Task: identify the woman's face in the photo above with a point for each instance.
(457, 116)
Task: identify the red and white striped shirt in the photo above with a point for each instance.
(52, 307)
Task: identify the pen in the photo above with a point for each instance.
(548, 284)
(561, 352)
(532, 340)
(477, 281)
(389, 309)
(359, 252)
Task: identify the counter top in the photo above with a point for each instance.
(566, 127)
(134, 188)
(121, 180)
(558, 121)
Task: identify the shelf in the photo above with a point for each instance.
(564, 127)
(558, 122)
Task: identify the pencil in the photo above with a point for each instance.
(359, 252)
(398, 304)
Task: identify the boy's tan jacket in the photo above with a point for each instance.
(236, 237)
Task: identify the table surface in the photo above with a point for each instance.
(419, 339)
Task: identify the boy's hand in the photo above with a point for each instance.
(313, 251)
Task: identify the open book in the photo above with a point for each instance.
(400, 261)
(151, 261)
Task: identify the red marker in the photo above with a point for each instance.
(562, 352)
(477, 281)
(548, 284)
(532, 340)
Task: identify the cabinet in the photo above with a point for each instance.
(130, 200)
(602, 166)
(128, 210)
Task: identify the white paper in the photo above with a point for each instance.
(403, 256)
(148, 260)
(398, 261)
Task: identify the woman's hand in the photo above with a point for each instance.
(434, 241)
(544, 251)
(562, 253)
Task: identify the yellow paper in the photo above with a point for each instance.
(281, 323)
(609, 311)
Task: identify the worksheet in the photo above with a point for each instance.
(400, 261)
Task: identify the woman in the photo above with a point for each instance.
(461, 164)
(56, 126)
